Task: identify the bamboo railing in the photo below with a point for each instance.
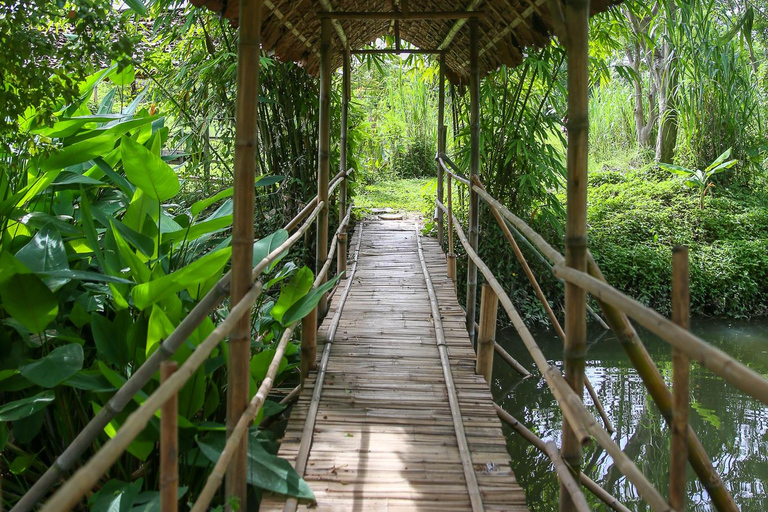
(617, 307)
(88, 475)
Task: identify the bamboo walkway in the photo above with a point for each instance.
(384, 436)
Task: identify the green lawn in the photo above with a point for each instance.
(402, 195)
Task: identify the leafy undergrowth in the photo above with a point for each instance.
(635, 219)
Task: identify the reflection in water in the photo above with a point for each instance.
(732, 427)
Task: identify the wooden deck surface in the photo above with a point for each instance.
(384, 436)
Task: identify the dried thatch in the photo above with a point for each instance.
(291, 28)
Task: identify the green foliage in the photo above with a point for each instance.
(99, 265)
(636, 220)
(701, 179)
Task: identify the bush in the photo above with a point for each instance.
(417, 161)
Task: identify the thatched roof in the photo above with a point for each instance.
(291, 28)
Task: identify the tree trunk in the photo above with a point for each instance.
(638, 50)
(667, 136)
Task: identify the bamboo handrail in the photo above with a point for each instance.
(537, 443)
(216, 477)
(511, 361)
(714, 359)
(144, 373)
(640, 359)
(441, 159)
(475, 498)
(312, 202)
(538, 356)
(574, 410)
(87, 476)
(545, 304)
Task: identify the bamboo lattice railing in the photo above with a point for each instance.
(89, 474)
(617, 307)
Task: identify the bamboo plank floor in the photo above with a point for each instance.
(384, 437)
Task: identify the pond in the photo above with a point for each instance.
(732, 426)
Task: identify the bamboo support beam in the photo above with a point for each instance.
(545, 304)
(457, 26)
(440, 145)
(86, 477)
(169, 444)
(486, 335)
(308, 361)
(400, 15)
(242, 233)
(535, 441)
(474, 170)
(681, 299)
(566, 478)
(511, 361)
(346, 89)
(323, 152)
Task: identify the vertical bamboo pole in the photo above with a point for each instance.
(242, 233)
(576, 44)
(440, 146)
(681, 373)
(474, 170)
(323, 152)
(169, 445)
(486, 334)
(341, 251)
(308, 359)
(451, 255)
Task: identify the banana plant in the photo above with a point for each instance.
(701, 179)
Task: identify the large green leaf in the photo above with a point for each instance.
(266, 245)
(146, 294)
(148, 171)
(124, 77)
(110, 340)
(201, 205)
(292, 292)
(304, 306)
(51, 370)
(45, 251)
(80, 152)
(260, 364)
(26, 298)
(25, 407)
(84, 275)
(265, 470)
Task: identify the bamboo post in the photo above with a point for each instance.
(511, 361)
(323, 152)
(242, 234)
(486, 336)
(451, 258)
(169, 445)
(566, 478)
(440, 146)
(681, 373)
(341, 255)
(308, 343)
(576, 44)
(474, 170)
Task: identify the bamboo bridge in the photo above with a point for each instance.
(394, 412)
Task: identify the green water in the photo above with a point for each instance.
(732, 426)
